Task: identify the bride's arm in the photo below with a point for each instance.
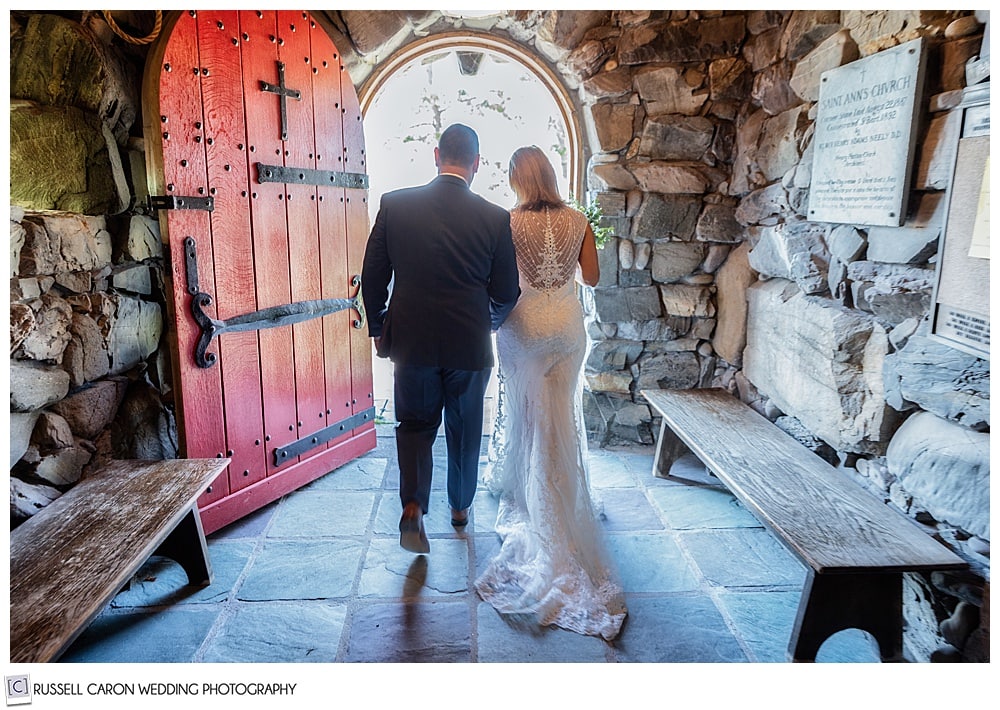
(590, 269)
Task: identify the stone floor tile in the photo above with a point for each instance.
(249, 527)
(391, 571)
(412, 632)
(484, 512)
(165, 636)
(607, 470)
(764, 621)
(651, 563)
(366, 473)
(743, 557)
(436, 522)
(302, 569)
(278, 632)
(676, 629)
(699, 507)
(502, 640)
(628, 509)
(161, 581)
(485, 548)
(323, 513)
(637, 459)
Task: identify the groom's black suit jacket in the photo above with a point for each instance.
(450, 257)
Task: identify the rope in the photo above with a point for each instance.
(130, 39)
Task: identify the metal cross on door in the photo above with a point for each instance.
(257, 168)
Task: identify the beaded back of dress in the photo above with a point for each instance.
(549, 262)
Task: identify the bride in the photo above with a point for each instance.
(553, 565)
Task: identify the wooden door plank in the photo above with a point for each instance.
(827, 519)
(336, 282)
(224, 138)
(303, 227)
(362, 391)
(258, 33)
(185, 173)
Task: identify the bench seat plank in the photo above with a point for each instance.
(70, 559)
(830, 521)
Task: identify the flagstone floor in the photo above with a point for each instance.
(319, 577)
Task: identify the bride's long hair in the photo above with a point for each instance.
(533, 179)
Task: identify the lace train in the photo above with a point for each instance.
(553, 564)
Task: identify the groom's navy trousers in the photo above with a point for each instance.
(421, 393)
(439, 274)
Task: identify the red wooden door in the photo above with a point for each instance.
(257, 165)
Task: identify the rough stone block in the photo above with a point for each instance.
(664, 90)
(806, 30)
(143, 241)
(732, 280)
(945, 467)
(612, 176)
(26, 499)
(772, 89)
(613, 123)
(780, 137)
(135, 333)
(672, 261)
(33, 385)
(668, 370)
(676, 137)
(58, 62)
(669, 178)
(50, 331)
(820, 363)
(22, 424)
(687, 301)
(627, 304)
(836, 50)
(761, 206)
(609, 84)
(666, 217)
(73, 173)
(795, 251)
(717, 223)
(940, 379)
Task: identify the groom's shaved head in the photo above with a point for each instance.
(459, 145)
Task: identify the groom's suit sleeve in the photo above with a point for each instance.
(376, 272)
(503, 288)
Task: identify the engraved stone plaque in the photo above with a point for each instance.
(865, 134)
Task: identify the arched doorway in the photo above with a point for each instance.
(507, 95)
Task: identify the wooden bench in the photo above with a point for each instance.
(855, 547)
(70, 559)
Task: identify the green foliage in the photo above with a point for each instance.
(594, 215)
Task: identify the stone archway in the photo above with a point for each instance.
(471, 40)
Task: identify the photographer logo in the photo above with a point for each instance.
(18, 690)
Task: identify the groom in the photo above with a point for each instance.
(450, 258)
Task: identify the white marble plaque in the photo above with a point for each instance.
(865, 135)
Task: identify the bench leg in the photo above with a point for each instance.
(186, 545)
(669, 448)
(834, 602)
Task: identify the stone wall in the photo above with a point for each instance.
(698, 129)
(89, 371)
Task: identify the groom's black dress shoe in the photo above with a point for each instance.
(411, 530)
(459, 518)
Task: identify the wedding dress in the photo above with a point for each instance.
(553, 565)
